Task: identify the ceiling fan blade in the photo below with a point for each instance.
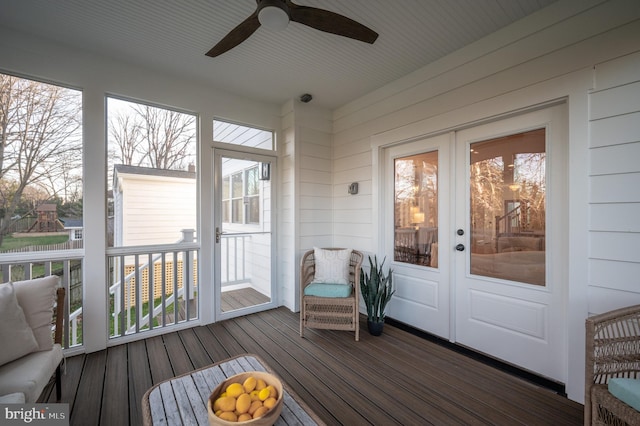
(236, 36)
(331, 22)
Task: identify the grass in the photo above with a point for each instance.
(11, 243)
(145, 310)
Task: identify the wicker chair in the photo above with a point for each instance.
(612, 350)
(330, 313)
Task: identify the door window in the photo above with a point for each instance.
(416, 209)
(507, 208)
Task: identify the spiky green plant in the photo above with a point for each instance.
(376, 289)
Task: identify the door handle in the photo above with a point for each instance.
(218, 234)
(460, 247)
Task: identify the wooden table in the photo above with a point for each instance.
(183, 399)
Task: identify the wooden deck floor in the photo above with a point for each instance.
(396, 378)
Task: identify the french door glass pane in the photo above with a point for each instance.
(508, 205)
(416, 209)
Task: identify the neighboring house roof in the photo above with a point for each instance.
(72, 222)
(150, 171)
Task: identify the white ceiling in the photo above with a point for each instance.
(173, 36)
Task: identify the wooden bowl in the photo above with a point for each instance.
(266, 420)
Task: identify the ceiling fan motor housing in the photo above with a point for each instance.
(274, 14)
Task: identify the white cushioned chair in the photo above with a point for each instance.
(33, 357)
(612, 379)
(330, 290)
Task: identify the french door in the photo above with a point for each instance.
(416, 202)
(244, 267)
(511, 239)
(476, 230)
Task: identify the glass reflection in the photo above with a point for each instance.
(508, 205)
(416, 209)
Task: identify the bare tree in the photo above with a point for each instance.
(39, 127)
(125, 131)
(167, 135)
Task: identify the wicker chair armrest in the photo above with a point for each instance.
(607, 407)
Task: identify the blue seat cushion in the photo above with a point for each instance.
(328, 290)
(626, 390)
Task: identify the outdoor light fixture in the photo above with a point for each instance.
(265, 171)
(273, 14)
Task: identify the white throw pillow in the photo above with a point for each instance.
(16, 336)
(332, 266)
(37, 297)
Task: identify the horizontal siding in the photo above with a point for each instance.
(616, 159)
(614, 228)
(615, 130)
(313, 145)
(155, 211)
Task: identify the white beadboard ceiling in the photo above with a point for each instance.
(173, 36)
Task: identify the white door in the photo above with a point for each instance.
(244, 267)
(511, 240)
(416, 200)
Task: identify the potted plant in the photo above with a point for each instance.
(376, 289)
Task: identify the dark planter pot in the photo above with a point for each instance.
(375, 328)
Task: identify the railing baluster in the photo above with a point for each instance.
(164, 289)
(150, 290)
(175, 288)
(123, 300)
(138, 304)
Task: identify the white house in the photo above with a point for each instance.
(152, 206)
(572, 68)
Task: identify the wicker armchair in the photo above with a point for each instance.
(612, 350)
(339, 313)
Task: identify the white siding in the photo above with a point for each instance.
(614, 175)
(306, 192)
(155, 211)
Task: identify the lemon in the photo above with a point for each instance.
(272, 391)
(226, 403)
(235, 389)
(254, 406)
(264, 394)
(244, 417)
(260, 412)
(243, 403)
(269, 402)
(254, 395)
(250, 384)
(229, 416)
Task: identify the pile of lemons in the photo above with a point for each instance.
(240, 402)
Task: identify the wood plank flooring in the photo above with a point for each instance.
(396, 378)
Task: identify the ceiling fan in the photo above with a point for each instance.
(276, 14)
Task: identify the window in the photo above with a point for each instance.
(152, 179)
(41, 189)
(41, 165)
(152, 202)
(416, 208)
(241, 197)
(508, 207)
(238, 134)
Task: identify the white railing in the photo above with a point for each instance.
(157, 288)
(234, 259)
(66, 264)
